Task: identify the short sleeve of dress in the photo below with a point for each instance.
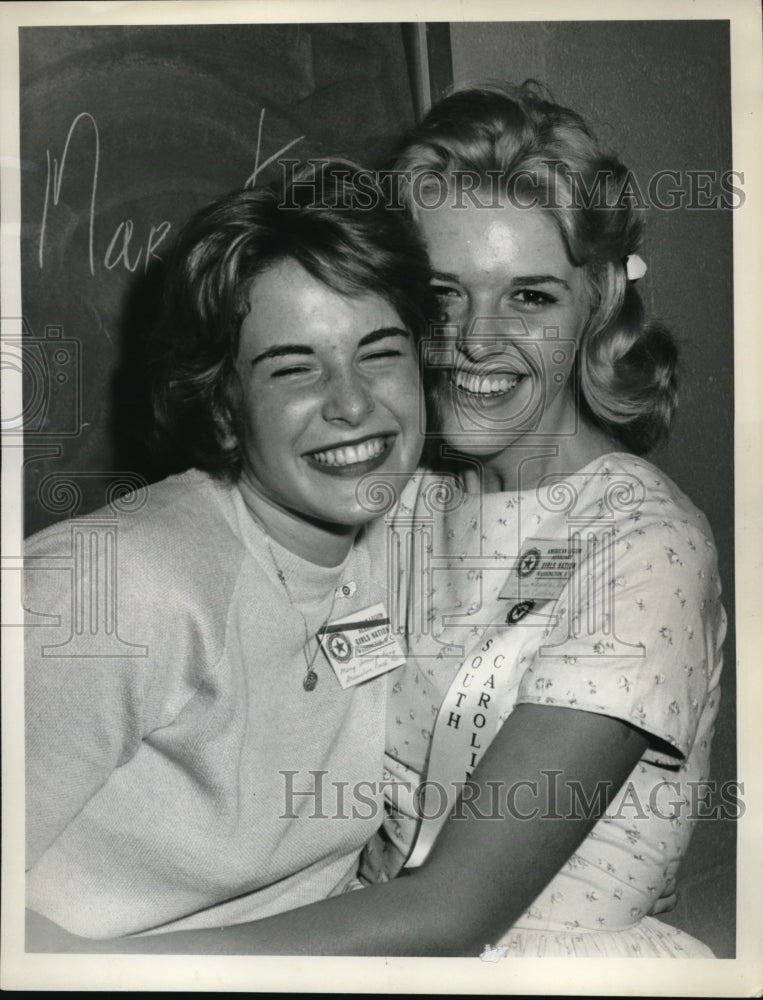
(637, 634)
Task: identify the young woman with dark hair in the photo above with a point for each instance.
(158, 767)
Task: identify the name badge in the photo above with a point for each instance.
(361, 646)
(542, 570)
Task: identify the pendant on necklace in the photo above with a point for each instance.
(310, 680)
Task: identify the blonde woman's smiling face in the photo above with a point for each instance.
(330, 393)
(516, 307)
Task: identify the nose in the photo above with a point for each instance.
(347, 399)
(482, 337)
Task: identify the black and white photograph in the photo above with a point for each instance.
(381, 434)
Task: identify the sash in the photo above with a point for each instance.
(471, 714)
(483, 691)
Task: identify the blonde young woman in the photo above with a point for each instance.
(594, 662)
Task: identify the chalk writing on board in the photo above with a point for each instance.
(115, 252)
(121, 248)
(252, 178)
(125, 229)
(58, 176)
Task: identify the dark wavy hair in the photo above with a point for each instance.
(626, 366)
(338, 231)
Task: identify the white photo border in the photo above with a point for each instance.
(742, 976)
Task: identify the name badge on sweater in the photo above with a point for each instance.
(361, 646)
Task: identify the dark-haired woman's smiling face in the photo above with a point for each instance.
(330, 393)
(517, 307)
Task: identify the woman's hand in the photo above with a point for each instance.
(667, 901)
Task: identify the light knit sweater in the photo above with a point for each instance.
(155, 788)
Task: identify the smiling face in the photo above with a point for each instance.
(330, 393)
(518, 307)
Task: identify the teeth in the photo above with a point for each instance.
(351, 454)
(486, 385)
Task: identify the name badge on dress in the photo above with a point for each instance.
(361, 646)
(542, 571)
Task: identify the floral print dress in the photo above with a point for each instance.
(631, 627)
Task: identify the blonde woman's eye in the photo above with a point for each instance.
(449, 301)
(533, 297)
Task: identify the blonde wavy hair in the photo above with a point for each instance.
(626, 365)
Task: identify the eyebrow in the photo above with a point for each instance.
(285, 350)
(518, 281)
(540, 279)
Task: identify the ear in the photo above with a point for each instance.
(224, 427)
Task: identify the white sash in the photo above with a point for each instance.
(471, 714)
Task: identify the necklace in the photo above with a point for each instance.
(310, 680)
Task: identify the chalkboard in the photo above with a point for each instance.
(125, 131)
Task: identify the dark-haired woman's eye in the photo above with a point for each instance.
(290, 370)
(386, 354)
